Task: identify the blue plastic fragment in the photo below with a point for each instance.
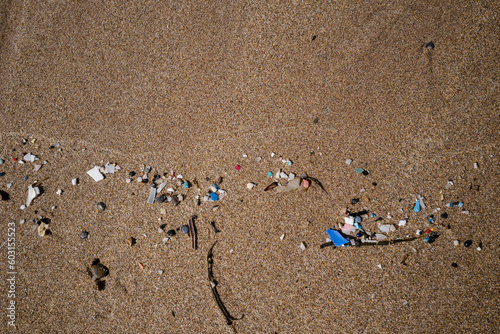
(336, 237)
(270, 174)
(430, 220)
(416, 208)
(186, 184)
(357, 226)
(357, 219)
(451, 204)
(373, 215)
(214, 196)
(427, 239)
(460, 204)
(216, 186)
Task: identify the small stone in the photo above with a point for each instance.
(84, 235)
(171, 233)
(468, 243)
(354, 201)
(444, 215)
(101, 206)
(160, 199)
(185, 229)
(98, 270)
(430, 45)
(131, 173)
(454, 265)
(147, 169)
(215, 208)
(131, 241)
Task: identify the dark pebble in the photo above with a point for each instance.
(131, 174)
(84, 235)
(354, 201)
(429, 45)
(316, 120)
(365, 172)
(444, 215)
(145, 180)
(454, 265)
(175, 200)
(101, 206)
(4, 195)
(2, 174)
(374, 183)
(160, 199)
(171, 233)
(468, 243)
(162, 226)
(26, 177)
(185, 229)
(156, 177)
(153, 185)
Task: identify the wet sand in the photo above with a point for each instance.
(194, 87)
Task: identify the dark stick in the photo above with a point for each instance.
(192, 230)
(213, 286)
(212, 223)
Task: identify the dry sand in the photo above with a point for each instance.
(192, 86)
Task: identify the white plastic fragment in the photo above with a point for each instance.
(23, 207)
(139, 179)
(221, 193)
(475, 165)
(30, 157)
(95, 174)
(479, 249)
(379, 265)
(59, 192)
(348, 161)
(74, 181)
(245, 156)
(9, 184)
(291, 176)
(128, 180)
(37, 167)
(402, 222)
(417, 232)
(349, 220)
(161, 186)
(21, 221)
(282, 236)
(456, 242)
(170, 190)
(380, 237)
(302, 246)
(180, 197)
(250, 185)
(283, 175)
(32, 193)
(110, 169)
(258, 159)
(421, 200)
(152, 195)
(465, 212)
(273, 154)
(387, 228)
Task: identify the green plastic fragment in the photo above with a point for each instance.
(359, 170)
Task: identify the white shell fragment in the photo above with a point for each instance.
(95, 174)
(32, 193)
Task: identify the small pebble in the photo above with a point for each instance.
(429, 45)
(2, 174)
(468, 243)
(131, 174)
(101, 206)
(454, 265)
(444, 215)
(84, 235)
(354, 201)
(171, 233)
(184, 229)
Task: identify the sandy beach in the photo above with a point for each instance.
(409, 92)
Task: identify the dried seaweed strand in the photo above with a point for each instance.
(192, 230)
(213, 286)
